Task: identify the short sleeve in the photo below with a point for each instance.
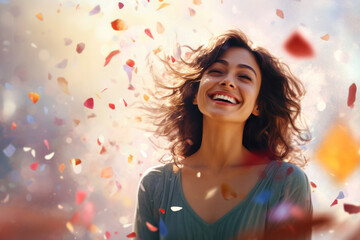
(146, 214)
(293, 213)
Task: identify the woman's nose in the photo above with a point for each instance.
(227, 83)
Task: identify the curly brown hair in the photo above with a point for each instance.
(275, 131)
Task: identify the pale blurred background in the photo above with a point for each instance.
(56, 51)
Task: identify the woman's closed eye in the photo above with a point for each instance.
(216, 71)
(245, 76)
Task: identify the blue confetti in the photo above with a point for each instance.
(263, 197)
(9, 150)
(163, 229)
(46, 111)
(341, 195)
(42, 168)
(41, 89)
(30, 118)
(8, 86)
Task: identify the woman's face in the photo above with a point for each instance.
(229, 88)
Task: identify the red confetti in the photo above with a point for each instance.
(351, 209)
(112, 106)
(131, 235)
(352, 95)
(280, 13)
(107, 235)
(131, 87)
(118, 25)
(34, 165)
(110, 56)
(130, 63)
(89, 103)
(13, 125)
(162, 210)
(125, 103)
(80, 47)
(334, 203)
(289, 170)
(313, 184)
(147, 31)
(297, 46)
(151, 227)
(80, 196)
(121, 5)
(172, 59)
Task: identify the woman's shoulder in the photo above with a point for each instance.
(288, 172)
(153, 175)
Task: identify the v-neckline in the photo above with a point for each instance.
(193, 212)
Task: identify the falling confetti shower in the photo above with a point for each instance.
(72, 71)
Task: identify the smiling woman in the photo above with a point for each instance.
(231, 117)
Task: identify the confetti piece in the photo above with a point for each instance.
(100, 140)
(130, 63)
(151, 227)
(289, 170)
(341, 195)
(313, 184)
(13, 126)
(334, 203)
(198, 174)
(110, 56)
(197, 2)
(162, 210)
(30, 119)
(61, 167)
(34, 97)
(75, 161)
(159, 28)
(172, 59)
(9, 150)
(59, 121)
(130, 158)
(146, 97)
(70, 227)
(142, 187)
(280, 13)
(175, 208)
(351, 96)
(162, 6)
(33, 153)
(326, 37)
(147, 32)
(50, 156)
(63, 85)
(77, 122)
(34, 165)
(62, 64)
(192, 12)
(89, 103)
(112, 106)
(8, 86)
(6, 199)
(351, 209)
(118, 25)
(40, 16)
(297, 46)
(125, 103)
(95, 10)
(107, 235)
(80, 196)
(121, 5)
(263, 197)
(118, 185)
(80, 47)
(131, 235)
(26, 149)
(227, 192)
(46, 144)
(103, 150)
(107, 172)
(93, 228)
(67, 41)
(338, 151)
(163, 229)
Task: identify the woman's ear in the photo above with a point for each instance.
(256, 110)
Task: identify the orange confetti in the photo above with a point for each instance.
(227, 192)
(110, 56)
(93, 228)
(40, 16)
(156, 51)
(280, 13)
(162, 6)
(63, 85)
(147, 32)
(138, 119)
(130, 63)
(34, 165)
(34, 97)
(77, 122)
(146, 97)
(151, 227)
(75, 161)
(107, 172)
(326, 37)
(118, 25)
(112, 106)
(130, 158)
(192, 12)
(61, 167)
(197, 2)
(159, 28)
(338, 152)
(13, 126)
(103, 150)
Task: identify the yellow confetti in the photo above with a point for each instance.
(70, 227)
(98, 96)
(40, 16)
(61, 167)
(325, 37)
(146, 97)
(156, 51)
(162, 6)
(130, 158)
(107, 172)
(34, 97)
(339, 152)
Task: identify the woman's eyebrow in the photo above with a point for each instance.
(239, 65)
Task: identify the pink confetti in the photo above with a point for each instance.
(104, 90)
(89, 103)
(131, 87)
(334, 203)
(46, 144)
(125, 103)
(352, 95)
(110, 56)
(351, 209)
(95, 10)
(280, 13)
(147, 32)
(121, 5)
(80, 47)
(118, 185)
(34, 165)
(107, 235)
(80, 196)
(151, 227)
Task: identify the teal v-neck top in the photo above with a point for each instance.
(281, 194)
